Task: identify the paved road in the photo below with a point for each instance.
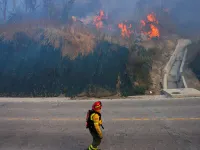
(129, 125)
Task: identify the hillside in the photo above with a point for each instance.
(66, 53)
(50, 60)
(43, 58)
(193, 63)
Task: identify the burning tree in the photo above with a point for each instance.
(126, 31)
(151, 23)
(3, 6)
(98, 20)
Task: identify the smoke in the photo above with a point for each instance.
(122, 9)
(186, 16)
(183, 13)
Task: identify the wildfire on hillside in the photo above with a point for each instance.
(98, 20)
(152, 22)
(148, 26)
(154, 31)
(143, 23)
(152, 18)
(125, 30)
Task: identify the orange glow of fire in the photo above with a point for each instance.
(125, 30)
(152, 21)
(152, 18)
(98, 19)
(154, 31)
(143, 23)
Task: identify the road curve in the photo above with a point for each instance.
(167, 124)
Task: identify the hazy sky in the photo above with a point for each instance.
(126, 9)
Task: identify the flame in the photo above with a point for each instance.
(98, 19)
(151, 18)
(125, 30)
(154, 31)
(152, 22)
(143, 23)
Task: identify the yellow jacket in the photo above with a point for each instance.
(97, 123)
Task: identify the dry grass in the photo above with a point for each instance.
(163, 50)
(27, 26)
(191, 79)
(73, 39)
(70, 40)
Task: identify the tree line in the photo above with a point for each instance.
(50, 7)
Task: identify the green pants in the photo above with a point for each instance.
(96, 140)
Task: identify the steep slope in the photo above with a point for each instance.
(52, 60)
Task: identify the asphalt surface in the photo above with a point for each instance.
(129, 125)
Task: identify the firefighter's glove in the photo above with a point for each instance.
(97, 125)
(100, 122)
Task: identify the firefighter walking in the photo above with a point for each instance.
(93, 123)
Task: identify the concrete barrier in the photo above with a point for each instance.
(168, 67)
(171, 60)
(182, 68)
(184, 82)
(165, 81)
(183, 61)
(181, 92)
(182, 43)
(179, 47)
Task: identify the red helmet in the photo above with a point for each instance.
(97, 105)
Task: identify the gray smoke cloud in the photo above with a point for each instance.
(184, 13)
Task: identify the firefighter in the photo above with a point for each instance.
(94, 122)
